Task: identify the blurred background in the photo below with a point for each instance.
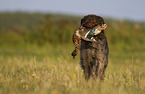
(51, 23)
(36, 45)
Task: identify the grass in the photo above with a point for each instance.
(51, 70)
(35, 56)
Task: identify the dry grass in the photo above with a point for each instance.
(62, 75)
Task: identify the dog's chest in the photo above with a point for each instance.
(89, 44)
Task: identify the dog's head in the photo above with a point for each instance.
(91, 21)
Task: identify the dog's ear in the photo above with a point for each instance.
(100, 20)
(82, 21)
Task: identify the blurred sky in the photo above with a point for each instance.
(122, 9)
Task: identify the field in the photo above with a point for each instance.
(35, 57)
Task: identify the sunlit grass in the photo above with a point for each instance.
(63, 75)
(35, 56)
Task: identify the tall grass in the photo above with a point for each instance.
(59, 74)
(35, 56)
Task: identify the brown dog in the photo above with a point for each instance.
(91, 41)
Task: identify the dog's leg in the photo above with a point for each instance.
(105, 63)
(85, 65)
(86, 62)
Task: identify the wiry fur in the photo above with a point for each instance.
(93, 55)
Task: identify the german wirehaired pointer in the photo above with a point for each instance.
(90, 39)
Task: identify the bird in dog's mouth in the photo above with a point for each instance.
(88, 35)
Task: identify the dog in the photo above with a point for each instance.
(90, 39)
